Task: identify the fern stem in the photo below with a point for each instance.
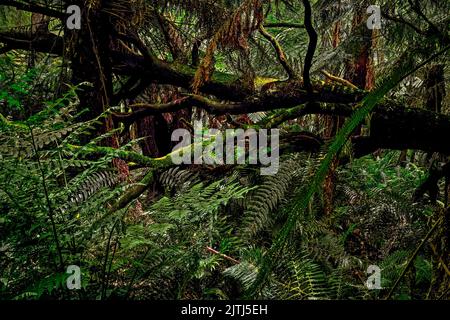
(133, 278)
(49, 205)
(108, 274)
(105, 263)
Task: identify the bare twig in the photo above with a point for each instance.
(279, 50)
(434, 249)
(33, 8)
(416, 8)
(222, 255)
(337, 79)
(402, 21)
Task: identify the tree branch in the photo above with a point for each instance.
(221, 85)
(286, 96)
(145, 109)
(130, 90)
(133, 192)
(48, 43)
(279, 51)
(391, 127)
(134, 39)
(172, 37)
(225, 86)
(155, 163)
(33, 8)
(337, 79)
(416, 8)
(311, 46)
(222, 255)
(402, 21)
(284, 25)
(430, 184)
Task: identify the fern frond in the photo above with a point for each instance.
(264, 201)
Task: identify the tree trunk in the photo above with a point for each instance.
(359, 71)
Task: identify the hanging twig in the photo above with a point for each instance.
(222, 255)
(311, 47)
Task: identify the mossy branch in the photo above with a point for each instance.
(130, 156)
(134, 192)
(279, 51)
(337, 79)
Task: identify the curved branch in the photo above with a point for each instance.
(311, 46)
(402, 21)
(33, 8)
(284, 25)
(280, 53)
(221, 85)
(416, 8)
(145, 109)
(133, 192)
(48, 43)
(337, 79)
(289, 94)
(189, 101)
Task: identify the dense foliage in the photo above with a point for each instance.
(86, 176)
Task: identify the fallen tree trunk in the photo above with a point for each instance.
(392, 125)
